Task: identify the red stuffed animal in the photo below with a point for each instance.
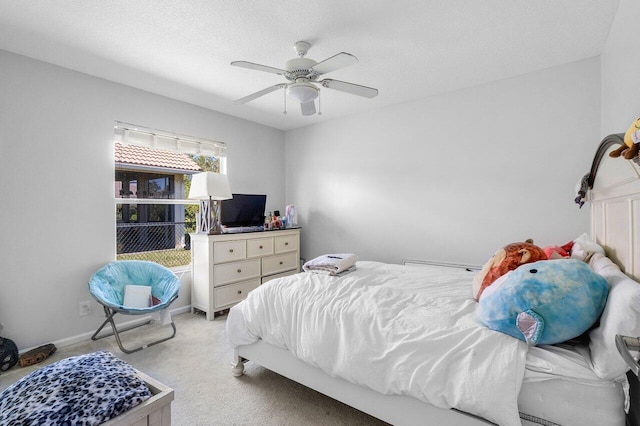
(504, 260)
(558, 252)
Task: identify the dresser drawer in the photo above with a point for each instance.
(237, 271)
(279, 263)
(285, 243)
(260, 247)
(228, 251)
(234, 293)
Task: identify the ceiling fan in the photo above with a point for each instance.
(302, 74)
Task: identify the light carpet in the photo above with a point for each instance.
(196, 364)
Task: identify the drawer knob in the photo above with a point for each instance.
(239, 291)
(260, 247)
(230, 250)
(239, 270)
(281, 262)
(286, 243)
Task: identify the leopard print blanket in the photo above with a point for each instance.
(83, 390)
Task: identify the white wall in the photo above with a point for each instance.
(451, 177)
(56, 185)
(620, 70)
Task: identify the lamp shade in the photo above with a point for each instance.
(210, 184)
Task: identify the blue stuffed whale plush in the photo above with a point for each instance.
(544, 302)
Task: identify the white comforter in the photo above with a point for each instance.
(394, 329)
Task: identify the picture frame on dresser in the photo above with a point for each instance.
(226, 267)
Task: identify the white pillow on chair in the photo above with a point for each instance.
(137, 296)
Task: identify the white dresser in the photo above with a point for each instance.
(224, 268)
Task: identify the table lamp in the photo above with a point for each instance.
(210, 188)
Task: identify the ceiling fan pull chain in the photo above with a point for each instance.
(319, 105)
(284, 92)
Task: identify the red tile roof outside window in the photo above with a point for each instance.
(140, 155)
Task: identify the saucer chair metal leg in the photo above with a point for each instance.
(109, 314)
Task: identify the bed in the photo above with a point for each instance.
(469, 375)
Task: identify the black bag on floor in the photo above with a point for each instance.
(8, 354)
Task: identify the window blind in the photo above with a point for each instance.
(131, 134)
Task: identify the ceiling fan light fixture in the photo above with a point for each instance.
(302, 92)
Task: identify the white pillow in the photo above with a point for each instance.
(137, 296)
(621, 315)
(583, 246)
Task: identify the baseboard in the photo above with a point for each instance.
(107, 328)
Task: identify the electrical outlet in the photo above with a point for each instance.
(84, 308)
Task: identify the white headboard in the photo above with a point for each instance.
(615, 206)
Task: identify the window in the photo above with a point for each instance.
(152, 176)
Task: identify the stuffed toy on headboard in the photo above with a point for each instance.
(504, 260)
(631, 145)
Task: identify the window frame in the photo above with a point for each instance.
(129, 134)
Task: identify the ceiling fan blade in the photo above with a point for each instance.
(259, 93)
(308, 108)
(354, 89)
(335, 62)
(257, 67)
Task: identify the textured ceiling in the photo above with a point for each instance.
(408, 49)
